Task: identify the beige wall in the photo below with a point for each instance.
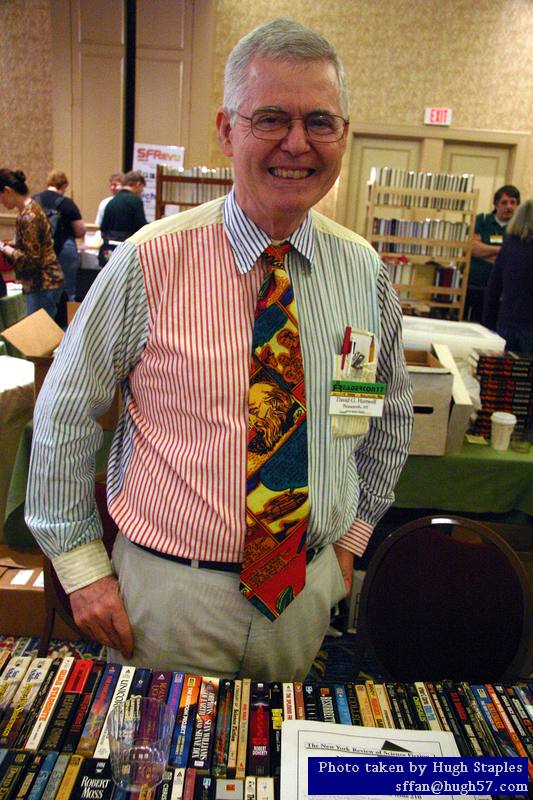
(400, 56)
(25, 89)
(403, 55)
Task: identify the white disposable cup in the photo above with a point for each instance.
(501, 427)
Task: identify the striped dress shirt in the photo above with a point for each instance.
(170, 319)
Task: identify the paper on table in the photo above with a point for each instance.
(301, 739)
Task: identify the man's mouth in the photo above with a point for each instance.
(293, 174)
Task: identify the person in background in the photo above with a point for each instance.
(489, 234)
(216, 457)
(508, 305)
(32, 253)
(71, 227)
(115, 185)
(123, 215)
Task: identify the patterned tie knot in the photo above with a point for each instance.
(275, 253)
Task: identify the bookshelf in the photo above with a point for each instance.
(189, 188)
(423, 233)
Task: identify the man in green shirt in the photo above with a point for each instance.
(123, 215)
(489, 233)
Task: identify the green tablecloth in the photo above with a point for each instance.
(12, 309)
(476, 480)
(16, 532)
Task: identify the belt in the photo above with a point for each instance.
(222, 566)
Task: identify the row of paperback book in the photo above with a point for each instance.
(435, 181)
(431, 229)
(505, 384)
(194, 193)
(227, 735)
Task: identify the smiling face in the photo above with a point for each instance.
(277, 182)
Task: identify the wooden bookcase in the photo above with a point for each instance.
(194, 190)
(422, 221)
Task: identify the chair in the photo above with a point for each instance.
(56, 599)
(445, 597)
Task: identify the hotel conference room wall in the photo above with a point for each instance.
(400, 56)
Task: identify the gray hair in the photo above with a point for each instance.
(283, 39)
(521, 224)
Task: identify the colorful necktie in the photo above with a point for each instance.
(277, 504)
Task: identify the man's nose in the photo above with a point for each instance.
(296, 139)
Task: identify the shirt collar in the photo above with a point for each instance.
(248, 241)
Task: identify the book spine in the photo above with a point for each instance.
(242, 747)
(326, 698)
(341, 699)
(184, 727)
(264, 789)
(174, 692)
(56, 776)
(178, 782)
(234, 730)
(513, 735)
(10, 680)
(204, 788)
(14, 775)
(516, 714)
(122, 687)
(34, 767)
(67, 705)
(276, 720)
(289, 709)
(223, 728)
(141, 682)
(463, 719)
(404, 706)
(5, 655)
(250, 787)
(188, 784)
(299, 704)
(69, 778)
(374, 703)
(353, 704)
(386, 710)
(488, 747)
(94, 781)
(80, 716)
(160, 685)
(364, 705)
(164, 789)
(419, 716)
(427, 705)
(311, 702)
(43, 775)
(435, 702)
(98, 710)
(493, 719)
(23, 700)
(258, 757)
(205, 727)
(47, 710)
(455, 728)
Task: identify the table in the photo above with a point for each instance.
(478, 479)
(16, 532)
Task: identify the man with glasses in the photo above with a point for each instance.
(172, 318)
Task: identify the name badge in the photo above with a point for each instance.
(496, 238)
(357, 398)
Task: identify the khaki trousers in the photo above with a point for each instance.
(196, 620)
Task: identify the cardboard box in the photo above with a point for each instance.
(432, 394)
(22, 597)
(36, 337)
(461, 406)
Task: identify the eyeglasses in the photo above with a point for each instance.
(320, 126)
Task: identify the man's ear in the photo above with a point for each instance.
(223, 123)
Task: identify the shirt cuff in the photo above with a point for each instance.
(357, 538)
(82, 566)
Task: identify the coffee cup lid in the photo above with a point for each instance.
(503, 417)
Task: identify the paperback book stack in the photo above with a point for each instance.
(506, 384)
(227, 739)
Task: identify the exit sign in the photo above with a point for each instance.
(438, 116)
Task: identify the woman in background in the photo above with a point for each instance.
(508, 307)
(32, 253)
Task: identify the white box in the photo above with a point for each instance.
(419, 333)
(432, 393)
(461, 406)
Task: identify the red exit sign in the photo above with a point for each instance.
(438, 116)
